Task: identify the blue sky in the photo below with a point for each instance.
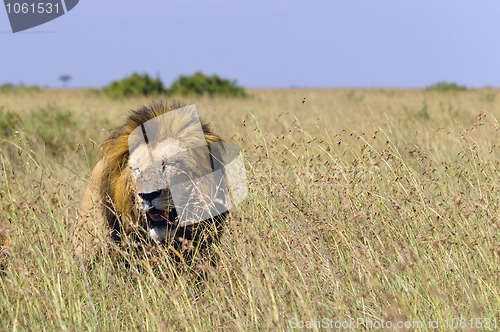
(262, 44)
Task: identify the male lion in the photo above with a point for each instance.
(147, 187)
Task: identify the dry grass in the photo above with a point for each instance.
(365, 206)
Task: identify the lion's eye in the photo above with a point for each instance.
(137, 171)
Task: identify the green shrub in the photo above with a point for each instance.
(53, 126)
(200, 84)
(446, 87)
(50, 130)
(9, 121)
(135, 85)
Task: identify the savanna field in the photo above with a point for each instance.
(366, 209)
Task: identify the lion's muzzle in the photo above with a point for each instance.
(160, 214)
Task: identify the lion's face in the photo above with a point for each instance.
(154, 169)
(165, 174)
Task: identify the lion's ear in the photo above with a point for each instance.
(216, 150)
(210, 137)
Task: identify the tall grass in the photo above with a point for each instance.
(364, 206)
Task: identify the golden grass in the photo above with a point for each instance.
(365, 207)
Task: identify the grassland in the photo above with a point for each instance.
(364, 207)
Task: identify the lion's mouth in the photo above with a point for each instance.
(161, 217)
(161, 222)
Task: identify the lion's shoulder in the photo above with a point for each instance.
(91, 225)
(91, 196)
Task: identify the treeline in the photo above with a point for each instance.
(136, 84)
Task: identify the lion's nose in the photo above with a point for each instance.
(150, 196)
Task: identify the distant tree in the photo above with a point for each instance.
(65, 79)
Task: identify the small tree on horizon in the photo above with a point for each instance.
(65, 79)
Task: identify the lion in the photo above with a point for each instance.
(149, 172)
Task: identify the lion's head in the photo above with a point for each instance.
(156, 176)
